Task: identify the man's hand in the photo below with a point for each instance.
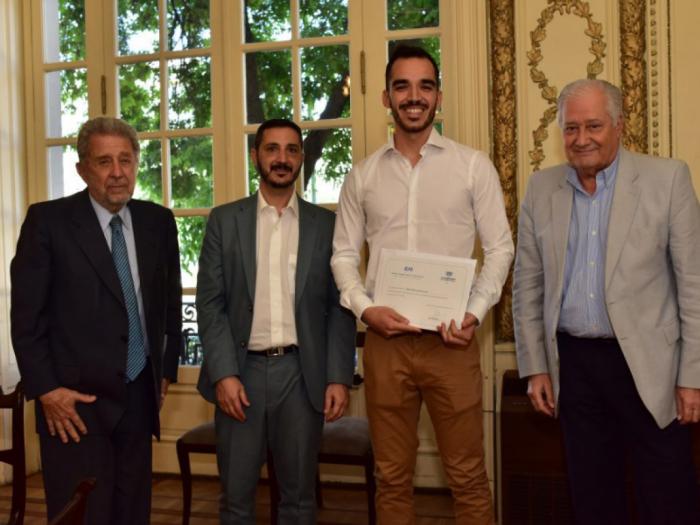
(336, 401)
(688, 404)
(61, 416)
(462, 336)
(231, 397)
(164, 384)
(387, 321)
(541, 393)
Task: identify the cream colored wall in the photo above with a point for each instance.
(685, 84)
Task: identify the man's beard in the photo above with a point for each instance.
(407, 126)
(265, 175)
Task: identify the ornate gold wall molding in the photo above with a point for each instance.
(634, 75)
(505, 150)
(594, 31)
(654, 72)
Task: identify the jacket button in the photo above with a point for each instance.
(250, 307)
(125, 338)
(242, 344)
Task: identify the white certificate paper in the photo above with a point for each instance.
(426, 289)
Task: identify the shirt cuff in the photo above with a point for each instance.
(360, 304)
(478, 307)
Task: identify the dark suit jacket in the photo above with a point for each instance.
(226, 290)
(69, 322)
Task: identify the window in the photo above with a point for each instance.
(196, 78)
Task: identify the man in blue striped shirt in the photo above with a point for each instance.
(606, 306)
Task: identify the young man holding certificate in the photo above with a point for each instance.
(427, 195)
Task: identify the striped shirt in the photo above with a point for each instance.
(583, 310)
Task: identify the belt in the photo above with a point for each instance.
(594, 339)
(275, 351)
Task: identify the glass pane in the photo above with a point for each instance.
(189, 94)
(188, 24)
(267, 21)
(323, 18)
(191, 172)
(64, 30)
(63, 177)
(149, 183)
(66, 101)
(325, 82)
(328, 158)
(139, 95)
(137, 25)
(430, 44)
(408, 14)
(253, 176)
(268, 85)
(190, 331)
(190, 232)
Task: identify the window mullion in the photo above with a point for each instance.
(164, 89)
(96, 58)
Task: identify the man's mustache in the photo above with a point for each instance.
(413, 103)
(281, 166)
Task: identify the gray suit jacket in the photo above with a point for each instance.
(652, 275)
(226, 290)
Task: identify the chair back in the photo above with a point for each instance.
(74, 511)
(14, 455)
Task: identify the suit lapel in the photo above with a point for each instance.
(147, 243)
(246, 224)
(307, 240)
(623, 208)
(93, 243)
(562, 202)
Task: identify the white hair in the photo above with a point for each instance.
(577, 87)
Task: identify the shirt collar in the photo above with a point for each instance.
(292, 205)
(604, 178)
(435, 140)
(104, 216)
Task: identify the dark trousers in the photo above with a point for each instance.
(280, 417)
(120, 461)
(606, 426)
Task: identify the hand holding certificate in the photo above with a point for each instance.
(427, 289)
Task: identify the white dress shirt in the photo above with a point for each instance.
(435, 207)
(276, 266)
(104, 216)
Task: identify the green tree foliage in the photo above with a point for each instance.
(324, 82)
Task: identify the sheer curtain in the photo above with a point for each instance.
(12, 169)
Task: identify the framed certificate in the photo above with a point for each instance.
(426, 289)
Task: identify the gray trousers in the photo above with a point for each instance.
(281, 418)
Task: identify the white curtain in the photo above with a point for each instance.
(12, 153)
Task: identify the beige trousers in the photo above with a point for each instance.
(401, 373)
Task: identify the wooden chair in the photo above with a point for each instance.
(15, 454)
(74, 511)
(346, 442)
(202, 440)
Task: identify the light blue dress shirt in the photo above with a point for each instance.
(583, 310)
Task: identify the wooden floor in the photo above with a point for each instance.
(346, 504)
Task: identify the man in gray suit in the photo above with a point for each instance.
(606, 304)
(278, 347)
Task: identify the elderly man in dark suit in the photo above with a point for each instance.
(96, 327)
(278, 348)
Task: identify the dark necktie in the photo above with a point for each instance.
(136, 355)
